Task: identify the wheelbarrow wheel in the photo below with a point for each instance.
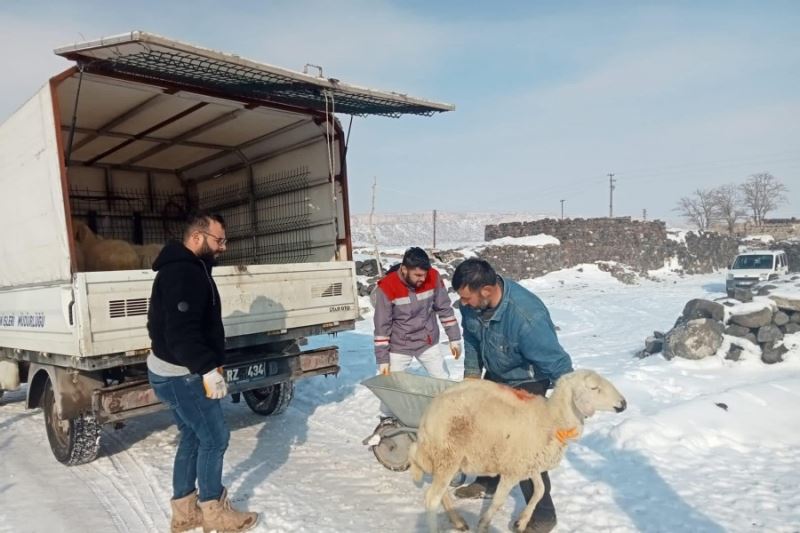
(392, 452)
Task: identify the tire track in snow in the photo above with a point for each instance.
(35, 469)
(149, 492)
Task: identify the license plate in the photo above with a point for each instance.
(247, 373)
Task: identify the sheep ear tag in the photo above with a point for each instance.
(565, 435)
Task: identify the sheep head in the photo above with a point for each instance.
(591, 392)
(81, 232)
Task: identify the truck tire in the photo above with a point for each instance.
(73, 441)
(272, 400)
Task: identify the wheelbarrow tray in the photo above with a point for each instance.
(407, 395)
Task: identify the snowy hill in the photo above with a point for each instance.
(416, 229)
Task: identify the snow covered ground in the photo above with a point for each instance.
(705, 446)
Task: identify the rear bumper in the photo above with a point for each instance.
(319, 362)
(740, 283)
(135, 398)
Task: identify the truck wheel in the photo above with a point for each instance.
(73, 441)
(272, 400)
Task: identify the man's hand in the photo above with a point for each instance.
(383, 369)
(214, 384)
(455, 349)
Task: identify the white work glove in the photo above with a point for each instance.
(383, 369)
(214, 384)
(455, 349)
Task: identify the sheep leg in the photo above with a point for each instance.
(525, 515)
(500, 496)
(458, 522)
(434, 497)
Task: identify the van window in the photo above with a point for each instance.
(754, 262)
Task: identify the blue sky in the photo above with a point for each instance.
(550, 96)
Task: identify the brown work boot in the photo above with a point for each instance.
(186, 515)
(219, 516)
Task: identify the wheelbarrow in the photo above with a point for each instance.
(406, 395)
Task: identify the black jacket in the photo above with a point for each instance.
(185, 316)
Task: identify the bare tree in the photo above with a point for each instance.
(698, 208)
(728, 204)
(761, 194)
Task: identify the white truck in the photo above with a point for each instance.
(755, 266)
(141, 130)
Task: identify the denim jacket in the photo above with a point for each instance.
(518, 343)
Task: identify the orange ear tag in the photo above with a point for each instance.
(564, 435)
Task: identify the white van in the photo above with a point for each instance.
(752, 267)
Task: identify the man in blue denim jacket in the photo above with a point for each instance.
(508, 338)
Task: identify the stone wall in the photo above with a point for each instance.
(778, 228)
(632, 242)
(641, 245)
(523, 262)
(703, 252)
(792, 249)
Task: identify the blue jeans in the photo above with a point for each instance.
(204, 435)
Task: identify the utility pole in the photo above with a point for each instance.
(434, 229)
(562, 209)
(372, 227)
(644, 214)
(611, 188)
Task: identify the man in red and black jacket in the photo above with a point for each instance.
(407, 302)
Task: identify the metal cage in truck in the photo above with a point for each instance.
(140, 131)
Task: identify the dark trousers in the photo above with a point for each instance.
(545, 506)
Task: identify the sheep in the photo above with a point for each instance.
(480, 427)
(103, 254)
(147, 254)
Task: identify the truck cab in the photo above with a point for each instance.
(750, 268)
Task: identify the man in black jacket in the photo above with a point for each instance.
(185, 370)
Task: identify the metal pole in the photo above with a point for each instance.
(434, 229)
(562, 209)
(611, 187)
(372, 227)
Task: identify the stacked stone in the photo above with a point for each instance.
(704, 252)
(698, 331)
(522, 262)
(367, 268)
(642, 245)
(792, 249)
(639, 244)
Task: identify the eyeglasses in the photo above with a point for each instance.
(220, 241)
